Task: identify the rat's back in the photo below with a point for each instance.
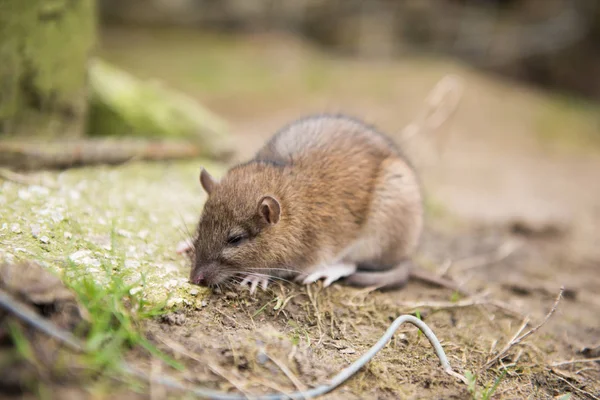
(326, 135)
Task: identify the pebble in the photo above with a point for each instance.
(131, 263)
(15, 228)
(35, 230)
(174, 319)
(45, 239)
(68, 235)
(194, 292)
(135, 290)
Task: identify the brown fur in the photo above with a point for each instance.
(343, 193)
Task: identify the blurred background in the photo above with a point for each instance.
(523, 142)
(513, 151)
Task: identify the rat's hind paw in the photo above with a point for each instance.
(331, 273)
(254, 281)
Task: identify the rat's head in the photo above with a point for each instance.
(234, 229)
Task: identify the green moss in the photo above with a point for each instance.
(44, 47)
(565, 123)
(130, 218)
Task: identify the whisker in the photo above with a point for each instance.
(258, 275)
(189, 234)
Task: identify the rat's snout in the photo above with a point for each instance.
(205, 274)
(198, 279)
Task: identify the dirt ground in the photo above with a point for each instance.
(513, 210)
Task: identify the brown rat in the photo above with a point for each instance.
(326, 197)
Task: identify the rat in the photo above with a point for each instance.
(327, 197)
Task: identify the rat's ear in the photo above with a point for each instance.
(269, 209)
(207, 181)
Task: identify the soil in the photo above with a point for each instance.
(513, 210)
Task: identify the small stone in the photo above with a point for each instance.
(74, 194)
(45, 239)
(135, 290)
(15, 228)
(39, 190)
(348, 350)
(68, 235)
(143, 234)
(174, 301)
(35, 230)
(194, 292)
(57, 217)
(132, 264)
(204, 303)
(83, 257)
(171, 283)
(124, 233)
(174, 319)
(24, 194)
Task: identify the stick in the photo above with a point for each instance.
(518, 339)
(587, 360)
(483, 260)
(578, 389)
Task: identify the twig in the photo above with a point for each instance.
(67, 154)
(439, 107)
(178, 348)
(21, 179)
(299, 385)
(468, 302)
(518, 339)
(586, 360)
(578, 389)
(482, 260)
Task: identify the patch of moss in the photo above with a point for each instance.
(565, 123)
(44, 46)
(130, 218)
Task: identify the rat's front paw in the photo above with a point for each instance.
(185, 247)
(254, 281)
(330, 273)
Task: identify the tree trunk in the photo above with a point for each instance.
(44, 49)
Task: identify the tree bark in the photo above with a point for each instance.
(44, 49)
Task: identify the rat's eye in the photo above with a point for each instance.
(236, 239)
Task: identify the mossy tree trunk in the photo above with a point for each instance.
(44, 49)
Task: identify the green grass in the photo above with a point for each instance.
(112, 327)
(115, 314)
(485, 393)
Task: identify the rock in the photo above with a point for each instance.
(174, 319)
